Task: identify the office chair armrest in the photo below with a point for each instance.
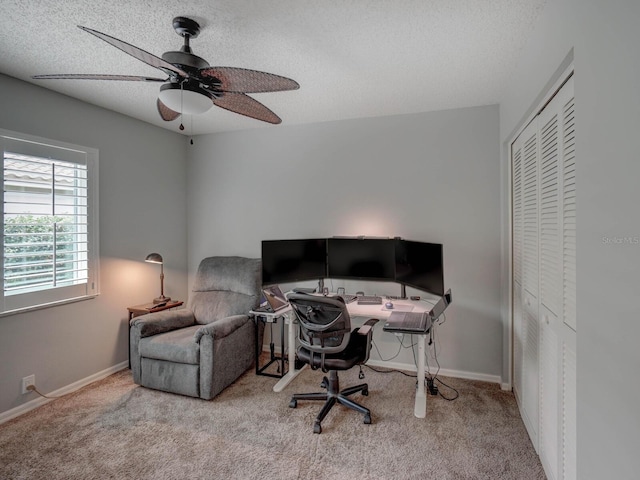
(161, 322)
(366, 328)
(221, 328)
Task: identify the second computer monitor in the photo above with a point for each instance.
(364, 259)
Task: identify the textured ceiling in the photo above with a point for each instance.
(352, 58)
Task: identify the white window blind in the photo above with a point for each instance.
(49, 243)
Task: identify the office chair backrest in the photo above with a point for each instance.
(325, 325)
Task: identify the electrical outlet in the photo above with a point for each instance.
(28, 381)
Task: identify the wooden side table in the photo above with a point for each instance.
(145, 308)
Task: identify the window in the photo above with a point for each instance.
(49, 211)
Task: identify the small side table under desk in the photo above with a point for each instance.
(283, 317)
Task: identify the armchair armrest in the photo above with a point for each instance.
(161, 322)
(221, 328)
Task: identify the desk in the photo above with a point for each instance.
(366, 312)
(380, 312)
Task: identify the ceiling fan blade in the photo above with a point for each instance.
(81, 76)
(242, 80)
(138, 53)
(245, 105)
(165, 112)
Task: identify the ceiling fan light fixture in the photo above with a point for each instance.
(193, 85)
(190, 100)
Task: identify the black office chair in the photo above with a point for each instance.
(327, 342)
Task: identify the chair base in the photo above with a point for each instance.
(332, 396)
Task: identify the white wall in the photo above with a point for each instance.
(427, 177)
(604, 36)
(142, 209)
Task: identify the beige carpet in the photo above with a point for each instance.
(114, 429)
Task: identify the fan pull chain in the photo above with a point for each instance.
(181, 93)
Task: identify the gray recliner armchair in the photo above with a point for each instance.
(200, 350)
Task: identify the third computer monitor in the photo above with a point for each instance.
(419, 265)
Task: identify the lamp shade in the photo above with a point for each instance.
(154, 258)
(157, 258)
(188, 100)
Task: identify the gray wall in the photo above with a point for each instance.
(604, 36)
(142, 209)
(429, 177)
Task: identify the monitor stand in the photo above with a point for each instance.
(403, 292)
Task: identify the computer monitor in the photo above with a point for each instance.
(288, 261)
(361, 258)
(419, 265)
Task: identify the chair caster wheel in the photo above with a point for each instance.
(293, 403)
(365, 392)
(317, 428)
(367, 419)
(325, 383)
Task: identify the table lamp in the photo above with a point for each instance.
(157, 258)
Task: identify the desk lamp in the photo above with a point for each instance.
(157, 258)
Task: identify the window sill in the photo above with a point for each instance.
(47, 305)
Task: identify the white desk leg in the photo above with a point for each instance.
(292, 372)
(420, 409)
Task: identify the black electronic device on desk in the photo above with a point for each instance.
(276, 300)
(414, 322)
(417, 323)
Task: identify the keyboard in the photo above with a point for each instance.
(369, 300)
(348, 298)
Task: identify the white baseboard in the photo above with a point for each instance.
(32, 404)
(445, 372)
(406, 367)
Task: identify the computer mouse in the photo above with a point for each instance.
(389, 305)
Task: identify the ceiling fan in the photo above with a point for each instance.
(193, 86)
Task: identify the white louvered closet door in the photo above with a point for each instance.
(569, 210)
(550, 284)
(543, 166)
(528, 329)
(518, 327)
(568, 400)
(557, 438)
